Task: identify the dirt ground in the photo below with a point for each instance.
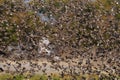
(79, 65)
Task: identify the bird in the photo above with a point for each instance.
(2, 53)
(1, 69)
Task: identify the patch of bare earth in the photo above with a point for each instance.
(80, 65)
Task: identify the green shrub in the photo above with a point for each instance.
(18, 77)
(6, 77)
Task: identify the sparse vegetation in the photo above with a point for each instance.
(45, 77)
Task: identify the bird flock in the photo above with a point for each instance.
(60, 37)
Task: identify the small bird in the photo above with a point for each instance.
(1, 69)
(2, 53)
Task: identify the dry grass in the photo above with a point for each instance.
(55, 77)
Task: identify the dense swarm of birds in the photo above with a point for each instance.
(61, 30)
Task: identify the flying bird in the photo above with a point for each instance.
(2, 53)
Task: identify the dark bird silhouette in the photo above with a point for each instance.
(2, 53)
(1, 70)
